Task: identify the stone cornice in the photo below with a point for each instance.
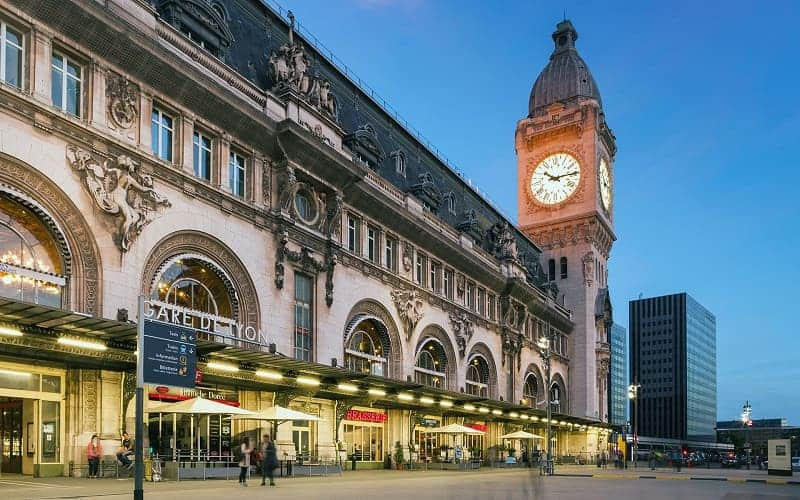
(571, 231)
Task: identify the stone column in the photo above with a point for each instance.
(41, 54)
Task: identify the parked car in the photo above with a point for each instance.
(795, 464)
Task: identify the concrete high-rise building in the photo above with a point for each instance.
(618, 376)
(674, 358)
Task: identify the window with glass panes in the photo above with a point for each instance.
(372, 243)
(448, 283)
(66, 84)
(491, 305)
(481, 309)
(390, 254)
(434, 279)
(470, 297)
(419, 269)
(11, 55)
(352, 233)
(201, 148)
(236, 171)
(364, 441)
(303, 331)
(161, 130)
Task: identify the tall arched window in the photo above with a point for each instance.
(551, 269)
(563, 268)
(555, 397)
(431, 364)
(31, 265)
(530, 391)
(364, 352)
(477, 382)
(195, 283)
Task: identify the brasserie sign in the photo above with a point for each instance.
(217, 326)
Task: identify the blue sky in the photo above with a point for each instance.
(704, 100)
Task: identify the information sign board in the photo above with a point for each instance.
(170, 354)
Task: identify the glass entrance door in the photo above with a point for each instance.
(301, 436)
(11, 435)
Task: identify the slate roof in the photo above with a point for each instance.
(257, 29)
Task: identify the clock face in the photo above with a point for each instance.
(555, 178)
(605, 184)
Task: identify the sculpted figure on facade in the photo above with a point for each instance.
(409, 308)
(123, 99)
(505, 245)
(463, 329)
(288, 187)
(120, 190)
(588, 268)
(407, 256)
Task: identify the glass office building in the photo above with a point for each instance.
(618, 376)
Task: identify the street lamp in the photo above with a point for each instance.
(633, 395)
(747, 410)
(544, 351)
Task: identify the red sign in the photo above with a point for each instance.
(479, 427)
(365, 416)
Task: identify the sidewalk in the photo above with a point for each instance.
(687, 473)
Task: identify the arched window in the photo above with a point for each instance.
(563, 268)
(400, 163)
(551, 270)
(555, 397)
(451, 203)
(430, 366)
(31, 266)
(364, 352)
(477, 382)
(530, 391)
(195, 283)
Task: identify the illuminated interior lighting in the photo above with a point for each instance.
(14, 373)
(223, 367)
(376, 392)
(307, 381)
(86, 344)
(267, 374)
(562, 423)
(11, 332)
(445, 403)
(426, 400)
(404, 396)
(513, 414)
(469, 407)
(497, 412)
(348, 387)
(484, 410)
(534, 418)
(524, 417)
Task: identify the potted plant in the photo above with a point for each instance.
(398, 455)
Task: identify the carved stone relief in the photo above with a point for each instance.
(408, 256)
(409, 308)
(120, 190)
(304, 259)
(123, 100)
(588, 268)
(463, 329)
(504, 245)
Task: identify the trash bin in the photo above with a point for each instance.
(353, 461)
(148, 469)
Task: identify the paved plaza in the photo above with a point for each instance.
(434, 485)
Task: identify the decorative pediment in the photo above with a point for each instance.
(363, 142)
(425, 189)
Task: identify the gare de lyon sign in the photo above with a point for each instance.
(169, 341)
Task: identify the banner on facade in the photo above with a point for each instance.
(169, 354)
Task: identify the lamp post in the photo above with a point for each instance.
(633, 395)
(747, 410)
(544, 351)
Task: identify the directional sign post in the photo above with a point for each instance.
(167, 356)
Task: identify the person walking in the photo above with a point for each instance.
(125, 450)
(269, 460)
(651, 460)
(244, 460)
(94, 451)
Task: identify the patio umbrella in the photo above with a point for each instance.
(276, 414)
(520, 435)
(199, 406)
(456, 429)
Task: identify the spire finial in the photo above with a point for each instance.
(290, 15)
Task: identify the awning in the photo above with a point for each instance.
(199, 406)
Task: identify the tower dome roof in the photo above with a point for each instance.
(566, 77)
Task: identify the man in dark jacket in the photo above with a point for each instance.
(269, 460)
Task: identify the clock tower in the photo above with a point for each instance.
(565, 159)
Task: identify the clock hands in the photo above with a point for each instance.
(557, 177)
